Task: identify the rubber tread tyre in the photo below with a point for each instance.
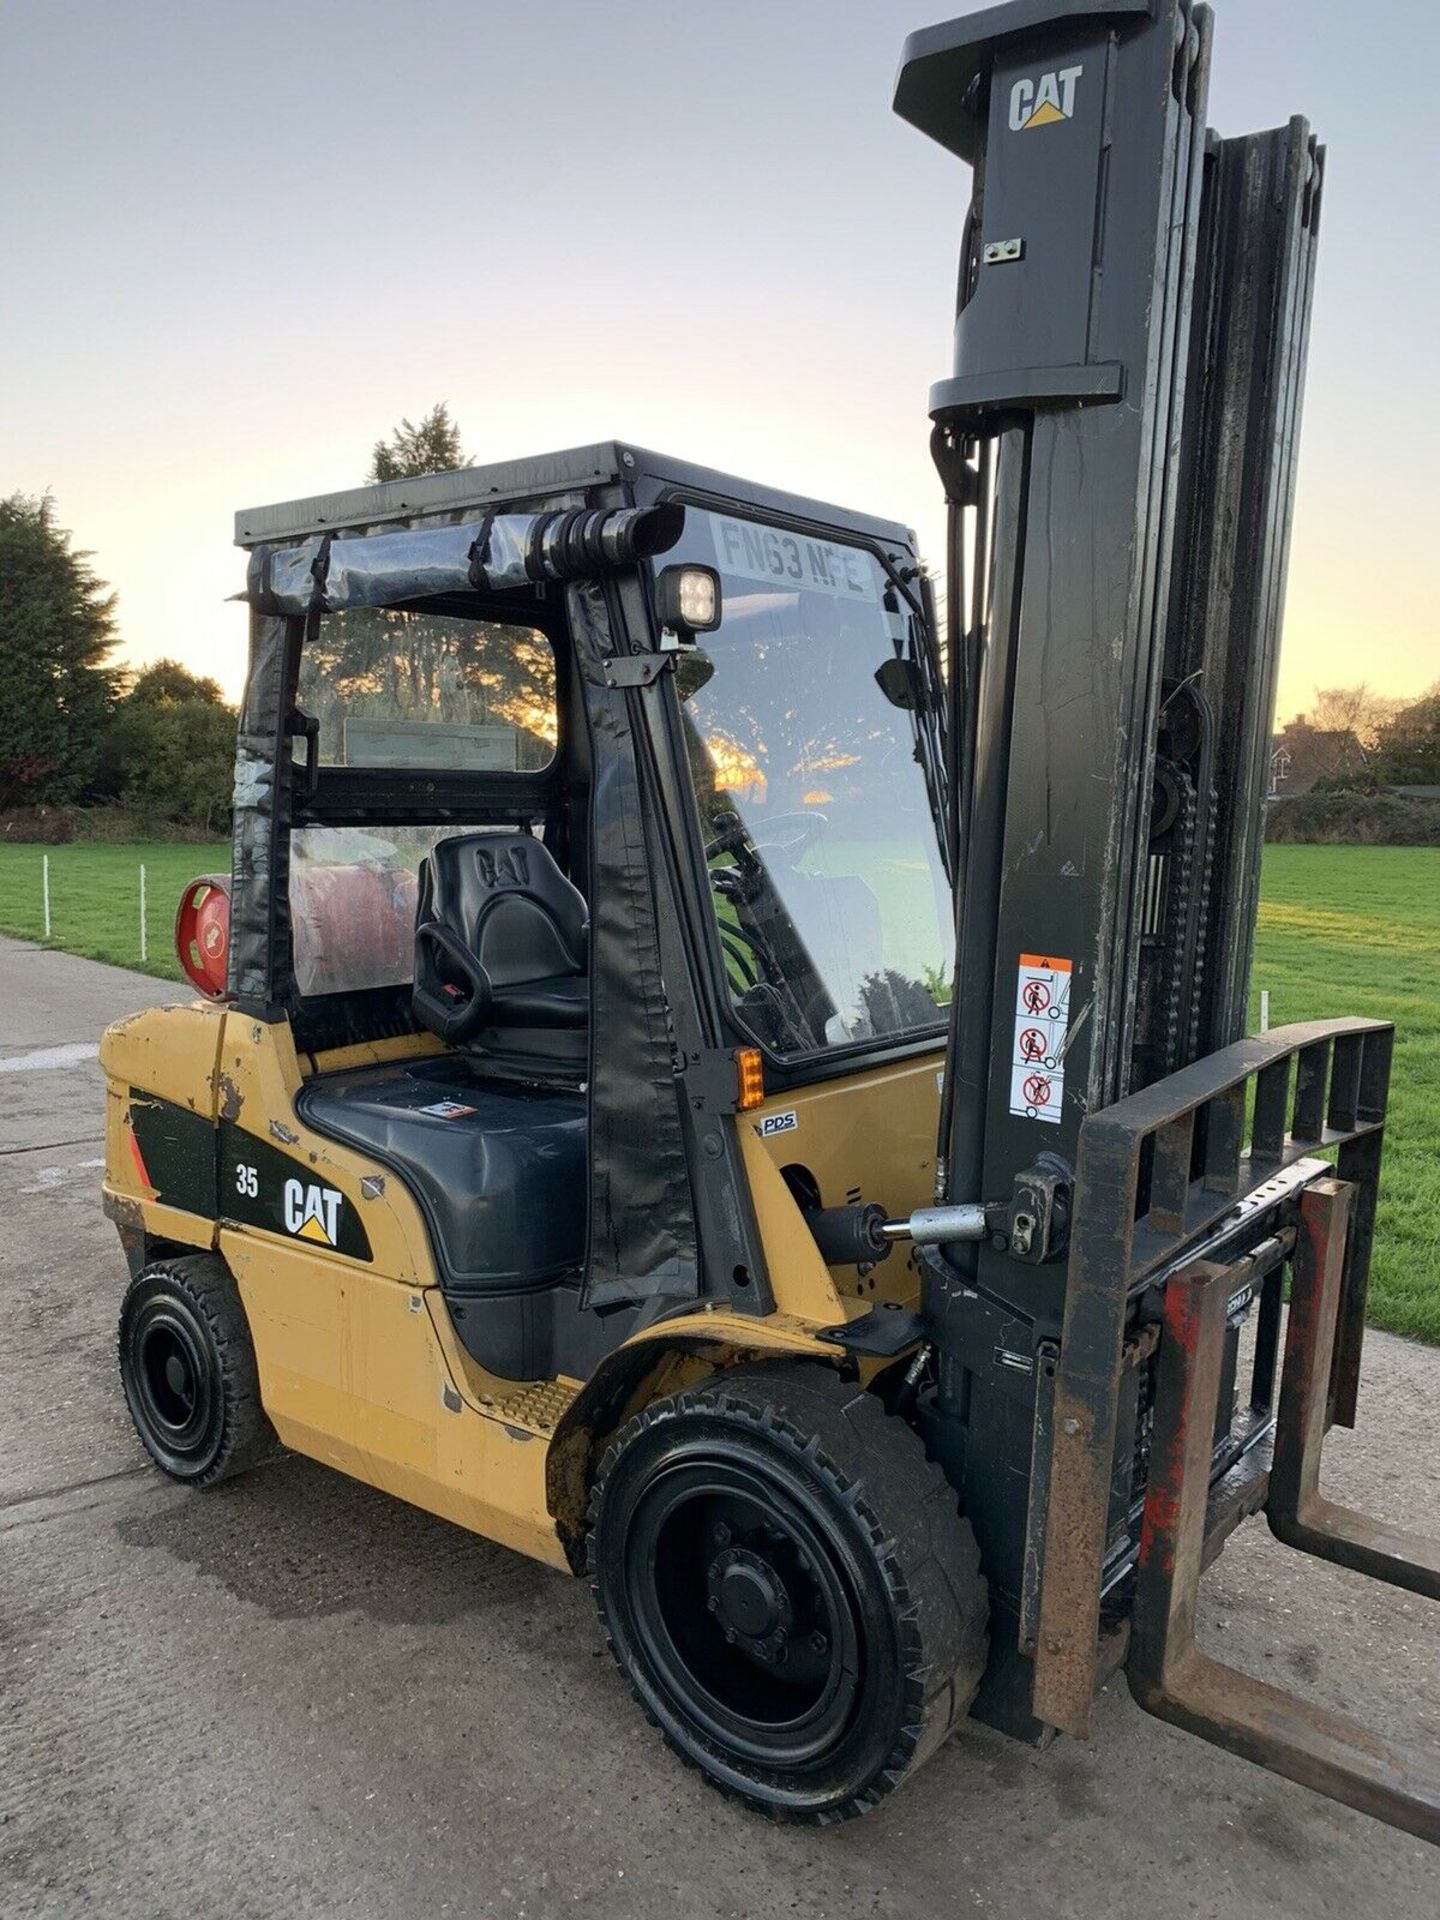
(893, 1516)
(189, 1308)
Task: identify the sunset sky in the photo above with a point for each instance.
(241, 240)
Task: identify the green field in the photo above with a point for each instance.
(1342, 930)
(1357, 930)
(95, 897)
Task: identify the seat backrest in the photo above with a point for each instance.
(503, 897)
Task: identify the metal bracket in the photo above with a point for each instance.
(634, 669)
(711, 1081)
(1037, 1220)
(967, 398)
(886, 1330)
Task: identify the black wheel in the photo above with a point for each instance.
(188, 1370)
(789, 1587)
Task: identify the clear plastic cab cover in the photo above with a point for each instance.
(425, 690)
(353, 892)
(829, 891)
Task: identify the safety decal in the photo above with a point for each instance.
(1042, 1015)
(448, 1110)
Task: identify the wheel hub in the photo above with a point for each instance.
(175, 1400)
(750, 1601)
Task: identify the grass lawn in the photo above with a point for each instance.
(95, 897)
(1357, 930)
(1342, 930)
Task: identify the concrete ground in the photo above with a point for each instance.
(294, 1695)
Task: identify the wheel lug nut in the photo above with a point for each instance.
(818, 1643)
(722, 1534)
(713, 1603)
(730, 1636)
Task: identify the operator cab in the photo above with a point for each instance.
(555, 836)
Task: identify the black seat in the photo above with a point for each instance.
(499, 1171)
(500, 948)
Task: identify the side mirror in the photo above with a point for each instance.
(687, 601)
(694, 669)
(901, 684)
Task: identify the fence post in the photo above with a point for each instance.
(144, 932)
(45, 889)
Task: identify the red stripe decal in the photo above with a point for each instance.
(139, 1158)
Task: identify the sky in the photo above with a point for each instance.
(241, 238)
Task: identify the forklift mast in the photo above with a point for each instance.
(1121, 424)
(1117, 444)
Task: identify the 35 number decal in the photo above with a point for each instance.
(247, 1182)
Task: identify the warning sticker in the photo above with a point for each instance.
(1042, 1017)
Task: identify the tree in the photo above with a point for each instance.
(1408, 751)
(57, 627)
(165, 683)
(170, 749)
(432, 446)
(1356, 710)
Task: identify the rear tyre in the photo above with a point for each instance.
(188, 1369)
(789, 1587)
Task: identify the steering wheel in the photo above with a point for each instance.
(788, 834)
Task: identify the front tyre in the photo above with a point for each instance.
(788, 1586)
(188, 1369)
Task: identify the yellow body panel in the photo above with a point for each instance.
(173, 1053)
(801, 1282)
(867, 1137)
(352, 1373)
(359, 1365)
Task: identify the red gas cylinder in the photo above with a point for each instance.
(202, 933)
(353, 927)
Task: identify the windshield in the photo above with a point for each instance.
(829, 893)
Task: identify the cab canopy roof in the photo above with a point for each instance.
(644, 475)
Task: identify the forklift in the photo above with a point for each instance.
(716, 1083)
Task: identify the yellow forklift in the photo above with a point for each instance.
(708, 1085)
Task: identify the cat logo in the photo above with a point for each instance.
(512, 869)
(312, 1213)
(1044, 102)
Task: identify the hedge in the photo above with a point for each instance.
(1355, 820)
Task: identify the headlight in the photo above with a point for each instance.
(687, 599)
